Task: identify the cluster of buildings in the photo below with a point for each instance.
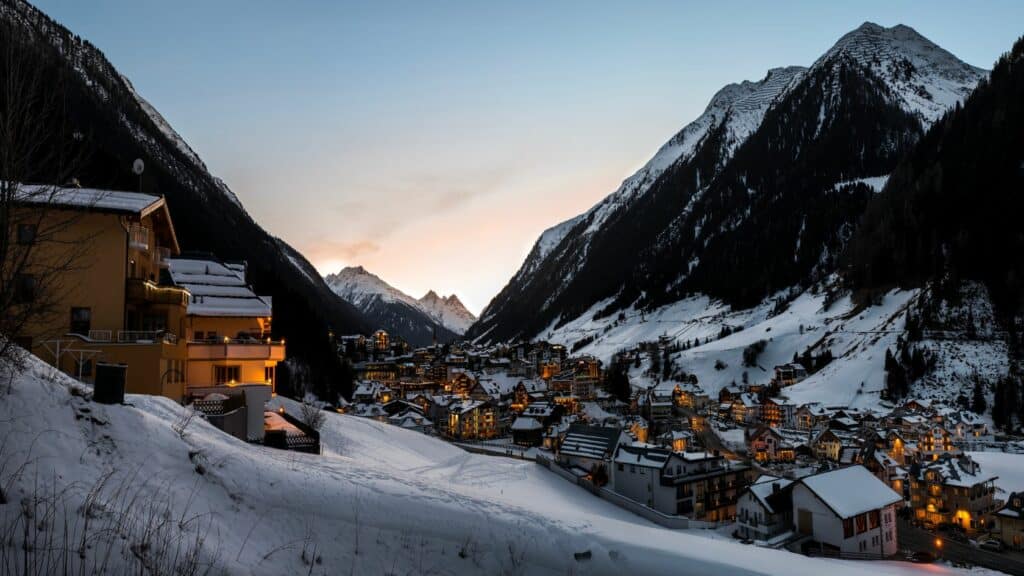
(132, 313)
(468, 394)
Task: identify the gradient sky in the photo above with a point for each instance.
(433, 141)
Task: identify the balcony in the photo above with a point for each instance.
(140, 290)
(145, 337)
(138, 237)
(234, 349)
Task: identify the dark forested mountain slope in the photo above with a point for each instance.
(952, 209)
(115, 127)
(761, 193)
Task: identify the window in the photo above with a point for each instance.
(847, 527)
(199, 334)
(632, 469)
(226, 374)
(24, 288)
(81, 320)
(26, 233)
(268, 374)
(621, 467)
(873, 519)
(862, 523)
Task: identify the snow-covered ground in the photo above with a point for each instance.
(1008, 467)
(380, 500)
(857, 336)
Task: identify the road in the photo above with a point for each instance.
(917, 539)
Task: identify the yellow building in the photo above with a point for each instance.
(108, 305)
(227, 326)
(177, 324)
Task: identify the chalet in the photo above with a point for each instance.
(472, 420)
(764, 509)
(847, 511)
(1010, 521)
(527, 431)
(527, 391)
(935, 442)
(745, 409)
(789, 374)
(965, 425)
(774, 412)
(952, 489)
(769, 444)
(676, 440)
(411, 420)
(588, 447)
(829, 444)
(811, 417)
(728, 394)
(884, 467)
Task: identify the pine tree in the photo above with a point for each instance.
(978, 403)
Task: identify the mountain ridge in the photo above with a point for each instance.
(419, 321)
(655, 239)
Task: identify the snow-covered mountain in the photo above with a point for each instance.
(757, 195)
(418, 321)
(448, 310)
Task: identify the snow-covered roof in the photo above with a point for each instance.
(218, 289)
(526, 423)
(648, 457)
(90, 199)
(851, 491)
(590, 441)
(764, 486)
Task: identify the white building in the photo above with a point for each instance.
(764, 509)
(847, 510)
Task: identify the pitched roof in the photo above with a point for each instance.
(590, 441)
(89, 199)
(764, 487)
(648, 457)
(850, 491)
(218, 288)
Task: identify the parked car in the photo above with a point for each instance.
(992, 545)
(922, 557)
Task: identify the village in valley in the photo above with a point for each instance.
(810, 478)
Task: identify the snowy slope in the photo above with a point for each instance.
(141, 488)
(926, 79)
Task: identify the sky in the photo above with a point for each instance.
(432, 142)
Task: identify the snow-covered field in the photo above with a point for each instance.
(146, 487)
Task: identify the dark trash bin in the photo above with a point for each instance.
(110, 383)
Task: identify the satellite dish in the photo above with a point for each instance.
(138, 166)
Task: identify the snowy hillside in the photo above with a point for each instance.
(857, 337)
(417, 321)
(141, 489)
